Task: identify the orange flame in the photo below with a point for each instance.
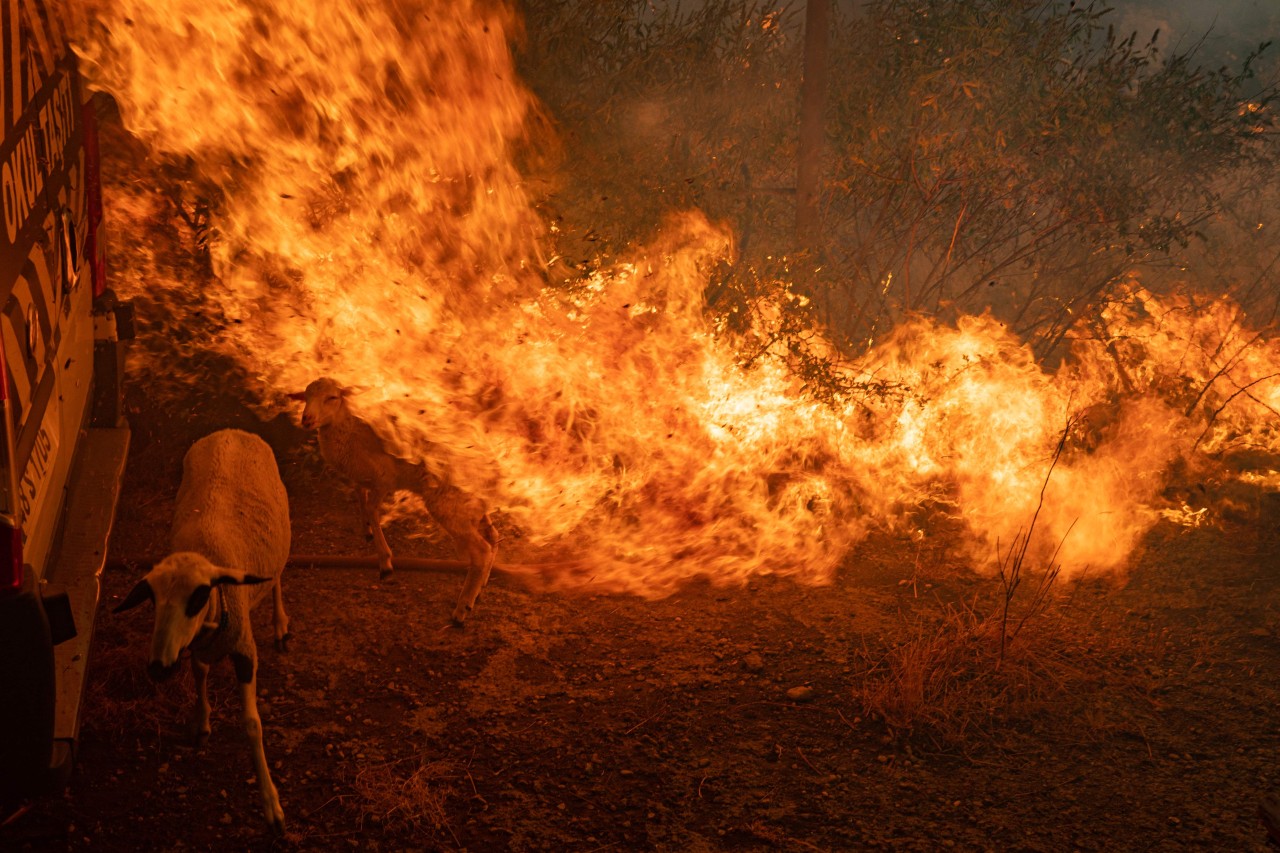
(374, 229)
(1200, 353)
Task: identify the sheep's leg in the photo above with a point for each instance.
(246, 674)
(199, 724)
(373, 515)
(477, 540)
(366, 520)
(279, 619)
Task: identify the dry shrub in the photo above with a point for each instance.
(947, 679)
(975, 668)
(978, 670)
(408, 793)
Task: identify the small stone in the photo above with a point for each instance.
(752, 662)
(803, 693)
(225, 819)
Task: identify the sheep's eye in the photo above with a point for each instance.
(199, 598)
(333, 398)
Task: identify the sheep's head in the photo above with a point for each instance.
(180, 585)
(324, 402)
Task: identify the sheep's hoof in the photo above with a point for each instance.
(277, 824)
(282, 643)
(386, 575)
(199, 737)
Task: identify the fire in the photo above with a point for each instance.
(1201, 354)
(373, 228)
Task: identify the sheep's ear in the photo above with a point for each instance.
(243, 579)
(141, 592)
(199, 598)
(300, 396)
(355, 390)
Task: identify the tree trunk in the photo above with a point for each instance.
(813, 94)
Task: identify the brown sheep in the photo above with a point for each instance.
(351, 447)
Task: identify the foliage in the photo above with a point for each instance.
(1020, 156)
(664, 107)
(982, 154)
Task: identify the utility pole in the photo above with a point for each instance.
(813, 96)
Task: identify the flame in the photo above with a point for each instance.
(374, 228)
(1200, 353)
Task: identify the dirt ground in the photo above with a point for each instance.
(607, 722)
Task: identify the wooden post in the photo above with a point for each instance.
(813, 92)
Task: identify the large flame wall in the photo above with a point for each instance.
(372, 227)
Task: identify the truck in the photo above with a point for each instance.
(64, 438)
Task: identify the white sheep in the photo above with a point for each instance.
(351, 447)
(230, 541)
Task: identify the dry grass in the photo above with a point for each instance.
(122, 699)
(959, 674)
(409, 793)
(1071, 672)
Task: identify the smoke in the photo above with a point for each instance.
(1226, 31)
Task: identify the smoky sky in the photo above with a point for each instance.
(1218, 30)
